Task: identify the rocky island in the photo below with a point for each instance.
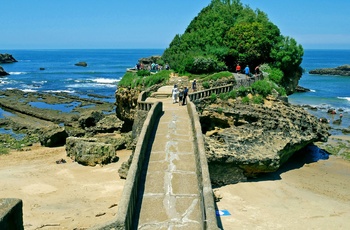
(343, 70)
(7, 58)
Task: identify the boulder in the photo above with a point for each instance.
(7, 58)
(107, 124)
(82, 63)
(254, 139)
(89, 151)
(53, 136)
(90, 119)
(3, 72)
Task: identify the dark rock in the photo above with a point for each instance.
(7, 58)
(340, 70)
(82, 63)
(89, 151)
(90, 119)
(41, 68)
(107, 124)
(346, 131)
(53, 137)
(301, 89)
(3, 72)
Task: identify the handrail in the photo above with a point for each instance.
(224, 89)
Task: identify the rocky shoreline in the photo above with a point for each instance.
(343, 70)
(86, 123)
(242, 140)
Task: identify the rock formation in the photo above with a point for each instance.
(82, 63)
(3, 72)
(7, 58)
(340, 70)
(245, 140)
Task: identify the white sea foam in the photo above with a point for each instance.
(312, 90)
(17, 73)
(105, 80)
(39, 82)
(344, 98)
(59, 91)
(29, 90)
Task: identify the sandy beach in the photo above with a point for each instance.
(60, 196)
(300, 195)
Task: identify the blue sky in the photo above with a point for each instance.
(48, 24)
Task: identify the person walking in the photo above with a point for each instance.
(247, 71)
(181, 95)
(238, 69)
(174, 93)
(184, 96)
(194, 85)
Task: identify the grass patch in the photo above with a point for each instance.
(133, 80)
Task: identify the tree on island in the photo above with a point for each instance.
(226, 33)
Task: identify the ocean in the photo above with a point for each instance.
(106, 67)
(327, 92)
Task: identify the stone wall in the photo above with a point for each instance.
(11, 214)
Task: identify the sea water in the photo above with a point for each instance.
(327, 91)
(106, 67)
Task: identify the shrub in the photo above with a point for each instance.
(206, 85)
(220, 110)
(258, 99)
(243, 91)
(143, 73)
(262, 87)
(223, 96)
(245, 100)
(232, 94)
(213, 97)
(275, 75)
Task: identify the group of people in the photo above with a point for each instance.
(153, 66)
(179, 95)
(247, 70)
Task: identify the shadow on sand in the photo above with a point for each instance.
(307, 155)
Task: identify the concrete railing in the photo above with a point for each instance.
(224, 89)
(207, 202)
(128, 201)
(11, 214)
(142, 104)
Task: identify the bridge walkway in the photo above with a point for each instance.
(171, 194)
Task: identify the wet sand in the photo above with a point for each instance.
(301, 195)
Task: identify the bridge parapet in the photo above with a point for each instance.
(142, 104)
(224, 89)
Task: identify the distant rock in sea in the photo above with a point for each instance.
(301, 89)
(82, 63)
(343, 70)
(7, 58)
(3, 72)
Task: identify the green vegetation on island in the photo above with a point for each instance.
(222, 35)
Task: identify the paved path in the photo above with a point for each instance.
(171, 198)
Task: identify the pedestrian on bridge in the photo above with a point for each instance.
(175, 93)
(185, 95)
